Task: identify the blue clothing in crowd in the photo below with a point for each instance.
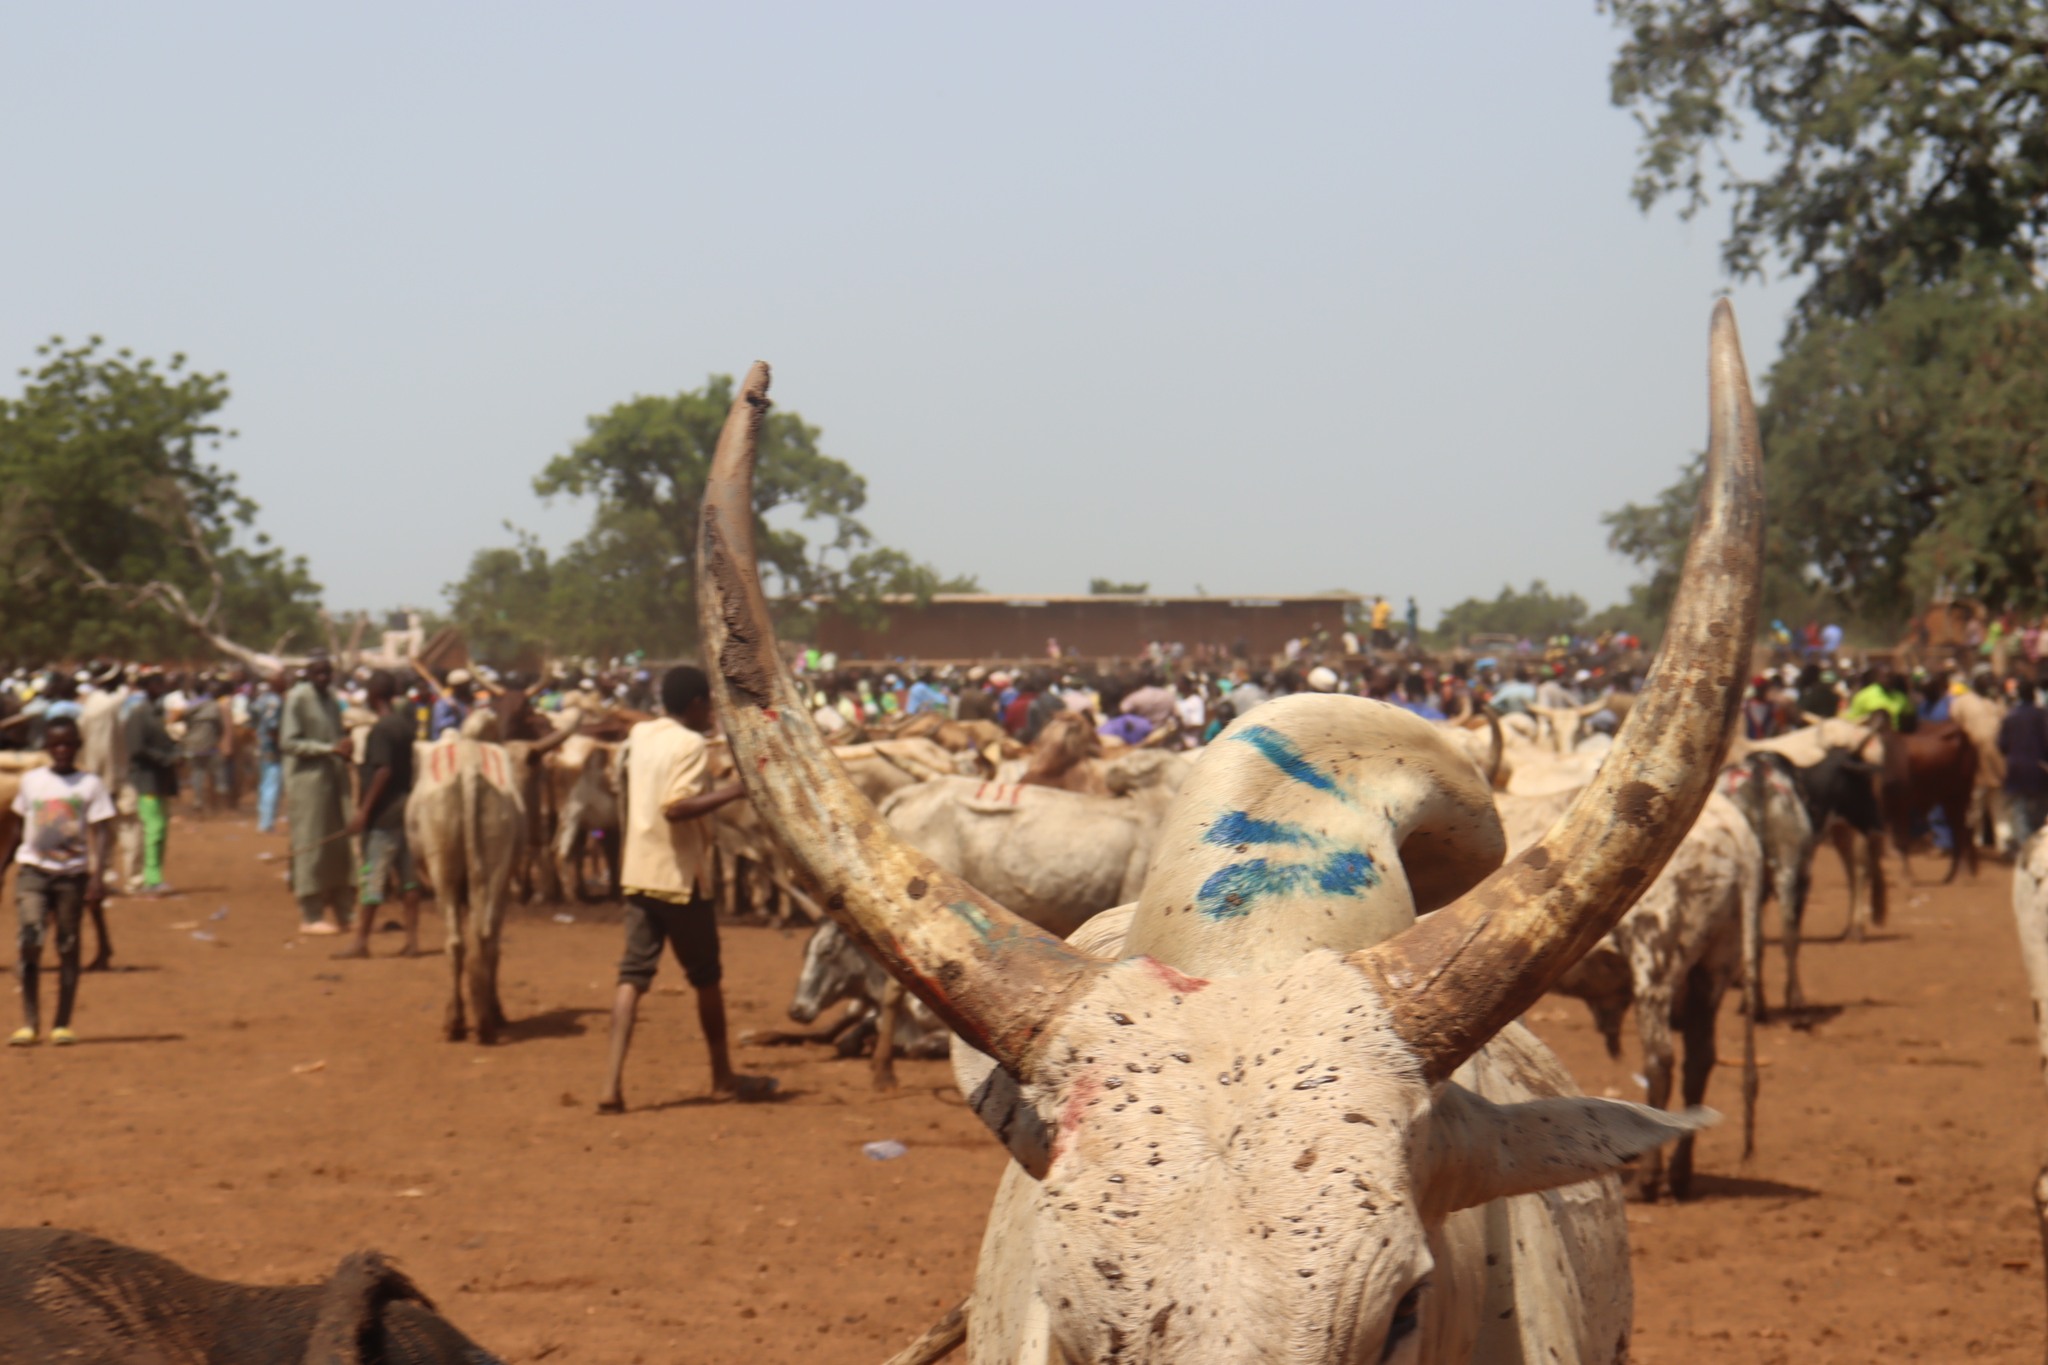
(448, 715)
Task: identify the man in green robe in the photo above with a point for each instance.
(316, 755)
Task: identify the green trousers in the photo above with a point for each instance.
(156, 828)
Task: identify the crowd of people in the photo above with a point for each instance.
(332, 758)
(118, 745)
(1796, 695)
(1186, 703)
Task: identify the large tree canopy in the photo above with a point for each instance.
(117, 535)
(1907, 458)
(628, 583)
(1899, 137)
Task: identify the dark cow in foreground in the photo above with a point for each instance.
(65, 1296)
(1792, 809)
(1934, 768)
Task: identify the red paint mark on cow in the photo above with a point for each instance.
(1085, 1089)
(1175, 981)
(769, 712)
(980, 791)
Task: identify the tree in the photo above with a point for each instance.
(107, 503)
(1103, 587)
(1901, 137)
(1534, 614)
(506, 604)
(1907, 457)
(629, 582)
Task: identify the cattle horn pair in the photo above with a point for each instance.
(1451, 981)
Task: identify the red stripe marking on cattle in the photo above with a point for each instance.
(769, 712)
(1084, 1090)
(978, 791)
(1177, 981)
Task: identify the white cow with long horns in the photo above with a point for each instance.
(1267, 1113)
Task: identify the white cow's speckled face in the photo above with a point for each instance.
(1229, 1175)
(1253, 1169)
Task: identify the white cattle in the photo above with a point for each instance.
(1861, 851)
(1980, 716)
(1567, 724)
(465, 824)
(1274, 1116)
(2030, 912)
(1055, 857)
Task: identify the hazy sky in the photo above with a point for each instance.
(1271, 298)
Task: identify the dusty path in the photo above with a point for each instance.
(256, 1110)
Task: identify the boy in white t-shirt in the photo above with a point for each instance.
(67, 836)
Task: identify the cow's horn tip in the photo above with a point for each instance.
(758, 376)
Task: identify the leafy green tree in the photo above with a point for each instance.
(1900, 137)
(1107, 586)
(1534, 614)
(1906, 456)
(506, 603)
(629, 582)
(108, 503)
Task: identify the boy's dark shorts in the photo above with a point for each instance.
(690, 930)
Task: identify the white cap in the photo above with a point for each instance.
(458, 677)
(1322, 679)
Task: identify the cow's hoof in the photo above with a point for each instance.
(455, 1033)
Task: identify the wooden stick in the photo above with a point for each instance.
(937, 1342)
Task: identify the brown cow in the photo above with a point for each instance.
(1933, 768)
(1067, 755)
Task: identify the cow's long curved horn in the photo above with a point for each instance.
(1457, 977)
(996, 979)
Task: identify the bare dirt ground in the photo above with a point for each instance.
(256, 1111)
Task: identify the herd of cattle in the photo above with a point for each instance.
(1245, 1017)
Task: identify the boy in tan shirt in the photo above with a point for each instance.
(667, 800)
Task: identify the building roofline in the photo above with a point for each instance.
(1026, 599)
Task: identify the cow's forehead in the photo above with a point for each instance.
(1241, 1140)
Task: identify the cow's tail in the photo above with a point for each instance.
(938, 1341)
(1755, 803)
(1752, 993)
(469, 781)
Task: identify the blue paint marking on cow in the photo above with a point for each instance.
(1279, 751)
(1236, 827)
(1347, 874)
(1230, 892)
(976, 918)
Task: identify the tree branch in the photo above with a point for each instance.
(171, 599)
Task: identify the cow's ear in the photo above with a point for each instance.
(1478, 1150)
(345, 1332)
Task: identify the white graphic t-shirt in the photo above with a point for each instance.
(56, 811)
